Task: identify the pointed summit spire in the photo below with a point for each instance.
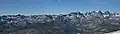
(99, 12)
(18, 15)
(93, 11)
(107, 12)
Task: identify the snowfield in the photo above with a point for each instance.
(116, 32)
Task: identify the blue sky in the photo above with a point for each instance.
(56, 6)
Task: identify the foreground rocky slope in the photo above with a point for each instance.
(94, 22)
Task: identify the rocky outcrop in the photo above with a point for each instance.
(95, 22)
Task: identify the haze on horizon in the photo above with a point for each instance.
(56, 6)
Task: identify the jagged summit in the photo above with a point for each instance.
(107, 12)
(72, 23)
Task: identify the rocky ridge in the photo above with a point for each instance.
(95, 22)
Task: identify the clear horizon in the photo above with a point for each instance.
(56, 6)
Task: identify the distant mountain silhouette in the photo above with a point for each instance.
(95, 22)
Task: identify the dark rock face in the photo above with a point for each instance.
(72, 23)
